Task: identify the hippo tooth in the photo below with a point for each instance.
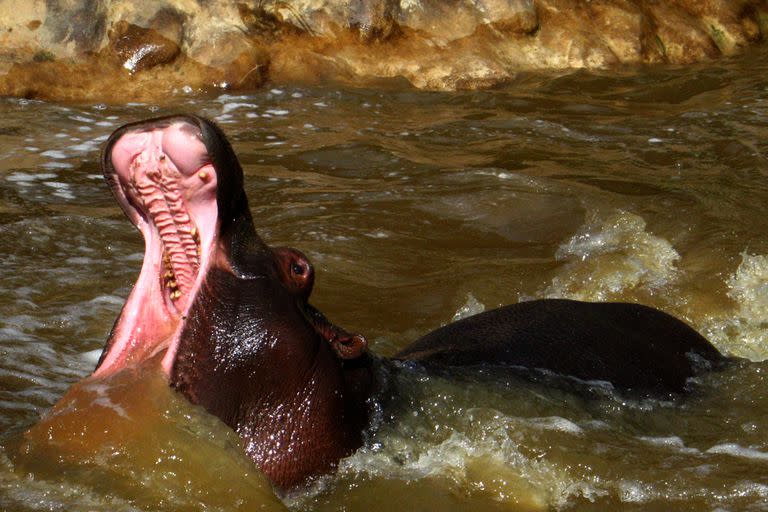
(203, 175)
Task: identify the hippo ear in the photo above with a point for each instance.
(349, 347)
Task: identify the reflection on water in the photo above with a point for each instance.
(644, 186)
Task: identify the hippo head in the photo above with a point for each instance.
(227, 315)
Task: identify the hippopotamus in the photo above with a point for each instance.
(229, 321)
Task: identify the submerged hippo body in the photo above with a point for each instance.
(230, 317)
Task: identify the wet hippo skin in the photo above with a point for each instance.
(229, 313)
(230, 316)
(636, 348)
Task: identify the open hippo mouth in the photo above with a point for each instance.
(178, 181)
(176, 203)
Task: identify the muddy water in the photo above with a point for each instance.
(415, 207)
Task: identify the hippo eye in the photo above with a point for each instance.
(298, 269)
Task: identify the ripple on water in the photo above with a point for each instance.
(394, 188)
(477, 451)
(34, 375)
(49, 315)
(20, 492)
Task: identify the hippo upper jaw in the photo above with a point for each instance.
(164, 176)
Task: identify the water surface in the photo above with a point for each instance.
(643, 185)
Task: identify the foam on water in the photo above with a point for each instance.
(91, 358)
(54, 153)
(737, 450)
(672, 442)
(87, 146)
(471, 307)
(56, 165)
(489, 458)
(479, 451)
(556, 423)
(20, 176)
(612, 255)
(229, 107)
(61, 189)
(533, 449)
(635, 492)
(487, 463)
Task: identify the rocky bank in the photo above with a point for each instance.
(120, 49)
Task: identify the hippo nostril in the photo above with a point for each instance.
(348, 346)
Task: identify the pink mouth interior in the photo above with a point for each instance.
(167, 186)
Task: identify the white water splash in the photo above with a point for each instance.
(481, 456)
(744, 331)
(610, 256)
(471, 307)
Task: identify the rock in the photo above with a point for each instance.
(136, 48)
(681, 38)
(566, 41)
(82, 49)
(75, 27)
(721, 20)
(127, 50)
(374, 20)
(514, 17)
(621, 25)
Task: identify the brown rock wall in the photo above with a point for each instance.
(152, 48)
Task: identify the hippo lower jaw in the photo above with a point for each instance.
(162, 176)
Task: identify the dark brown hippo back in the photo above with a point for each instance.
(634, 347)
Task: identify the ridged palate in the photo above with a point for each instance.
(156, 181)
